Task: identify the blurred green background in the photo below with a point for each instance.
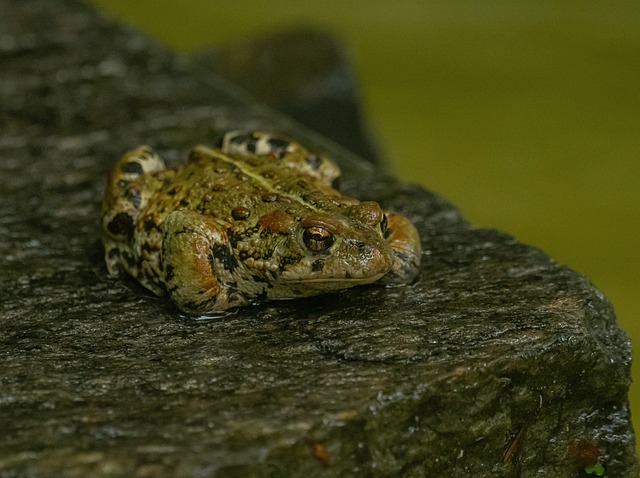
(525, 114)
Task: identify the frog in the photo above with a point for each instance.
(256, 217)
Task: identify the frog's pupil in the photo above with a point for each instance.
(317, 239)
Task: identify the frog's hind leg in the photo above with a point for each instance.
(122, 201)
(290, 154)
(257, 143)
(199, 269)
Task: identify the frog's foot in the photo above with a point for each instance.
(123, 198)
(197, 264)
(134, 163)
(404, 240)
(290, 153)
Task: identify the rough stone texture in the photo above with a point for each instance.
(497, 363)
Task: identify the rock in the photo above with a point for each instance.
(498, 362)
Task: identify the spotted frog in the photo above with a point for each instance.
(255, 218)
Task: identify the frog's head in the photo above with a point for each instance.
(336, 250)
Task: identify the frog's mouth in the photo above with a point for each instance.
(320, 280)
(331, 282)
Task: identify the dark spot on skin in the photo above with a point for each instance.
(235, 236)
(172, 191)
(134, 197)
(292, 259)
(184, 202)
(148, 247)
(239, 139)
(317, 265)
(223, 254)
(277, 147)
(132, 167)
(314, 161)
(240, 213)
(246, 140)
(303, 184)
(149, 224)
(121, 224)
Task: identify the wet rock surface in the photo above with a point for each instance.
(497, 362)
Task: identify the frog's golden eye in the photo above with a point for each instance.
(317, 238)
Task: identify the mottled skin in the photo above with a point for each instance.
(256, 218)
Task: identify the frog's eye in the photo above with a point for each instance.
(317, 238)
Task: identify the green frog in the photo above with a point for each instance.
(256, 218)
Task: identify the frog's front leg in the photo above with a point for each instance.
(197, 263)
(403, 237)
